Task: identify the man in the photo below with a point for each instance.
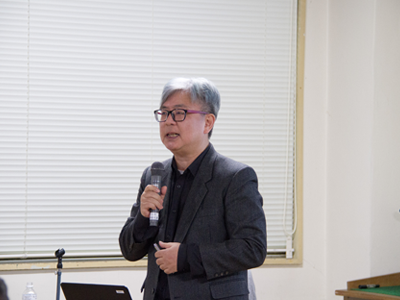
(212, 226)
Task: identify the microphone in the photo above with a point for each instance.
(157, 170)
(59, 253)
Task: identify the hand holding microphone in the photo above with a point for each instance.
(153, 195)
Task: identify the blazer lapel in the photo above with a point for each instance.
(196, 195)
(166, 180)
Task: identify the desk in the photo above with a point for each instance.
(389, 291)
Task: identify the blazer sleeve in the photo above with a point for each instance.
(245, 245)
(136, 237)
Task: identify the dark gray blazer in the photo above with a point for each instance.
(224, 216)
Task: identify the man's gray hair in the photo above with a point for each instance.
(200, 90)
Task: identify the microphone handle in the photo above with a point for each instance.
(154, 213)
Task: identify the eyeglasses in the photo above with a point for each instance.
(178, 115)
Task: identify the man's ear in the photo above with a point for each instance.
(209, 124)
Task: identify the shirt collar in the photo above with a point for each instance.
(195, 165)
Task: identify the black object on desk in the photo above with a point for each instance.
(368, 286)
(85, 291)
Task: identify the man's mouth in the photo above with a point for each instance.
(172, 135)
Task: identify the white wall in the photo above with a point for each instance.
(363, 144)
(351, 160)
(349, 136)
(385, 219)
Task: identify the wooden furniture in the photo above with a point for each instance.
(383, 281)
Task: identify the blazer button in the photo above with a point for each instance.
(216, 275)
(153, 291)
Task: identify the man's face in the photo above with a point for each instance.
(189, 137)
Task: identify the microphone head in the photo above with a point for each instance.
(157, 169)
(60, 252)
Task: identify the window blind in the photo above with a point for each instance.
(78, 83)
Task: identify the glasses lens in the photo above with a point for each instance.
(179, 115)
(160, 115)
